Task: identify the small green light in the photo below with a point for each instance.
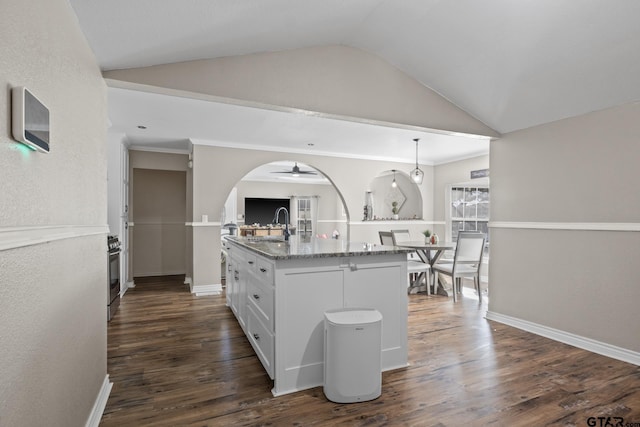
(25, 150)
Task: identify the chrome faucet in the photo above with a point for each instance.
(276, 218)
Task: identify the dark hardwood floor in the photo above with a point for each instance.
(176, 359)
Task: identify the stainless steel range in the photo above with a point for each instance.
(113, 288)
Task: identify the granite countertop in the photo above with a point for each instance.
(276, 249)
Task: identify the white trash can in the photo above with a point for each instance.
(352, 354)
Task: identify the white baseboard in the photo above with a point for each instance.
(584, 343)
(125, 287)
(159, 273)
(101, 402)
(203, 290)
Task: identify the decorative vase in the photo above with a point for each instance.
(368, 202)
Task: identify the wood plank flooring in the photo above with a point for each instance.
(179, 360)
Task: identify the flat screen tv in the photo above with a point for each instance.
(262, 210)
(29, 119)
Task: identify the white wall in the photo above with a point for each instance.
(556, 192)
(115, 147)
(53, 223)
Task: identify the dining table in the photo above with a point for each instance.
(431, 253)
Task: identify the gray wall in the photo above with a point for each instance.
(216, 170)
(329, 79)
(159, 211)
(53, 290)
(557, 190)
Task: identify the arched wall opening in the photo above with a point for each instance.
(395, 196)
(316, 206)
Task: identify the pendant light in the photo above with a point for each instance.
(417, 175)
(394, 184)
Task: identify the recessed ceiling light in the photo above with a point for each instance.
(141, 127)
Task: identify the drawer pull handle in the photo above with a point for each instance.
(250, 262)
(264, 270)
(256, 337)
(256, 296)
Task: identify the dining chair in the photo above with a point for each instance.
(467, 260)
(400, 236)
(415, 267)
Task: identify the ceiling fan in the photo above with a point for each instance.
(295, 171)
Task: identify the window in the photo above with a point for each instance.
(469, 210)
(304, 226)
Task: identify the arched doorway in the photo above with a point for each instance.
(316, 207)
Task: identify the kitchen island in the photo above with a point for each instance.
(279, 292)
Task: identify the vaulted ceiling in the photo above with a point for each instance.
(510, 64)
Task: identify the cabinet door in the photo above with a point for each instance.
(301, 300)
(228, 279)
(382, 287)
(232, 288)
(247, 267)
(241, 294)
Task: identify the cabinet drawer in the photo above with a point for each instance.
(262, 341)
(264, 270)
(249, 261)
(261, 297)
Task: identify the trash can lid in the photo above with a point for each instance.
(353, 316)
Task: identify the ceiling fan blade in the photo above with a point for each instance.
(296, 171)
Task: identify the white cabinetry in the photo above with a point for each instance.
(239, 263)
(280, 305)
(305, 290)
